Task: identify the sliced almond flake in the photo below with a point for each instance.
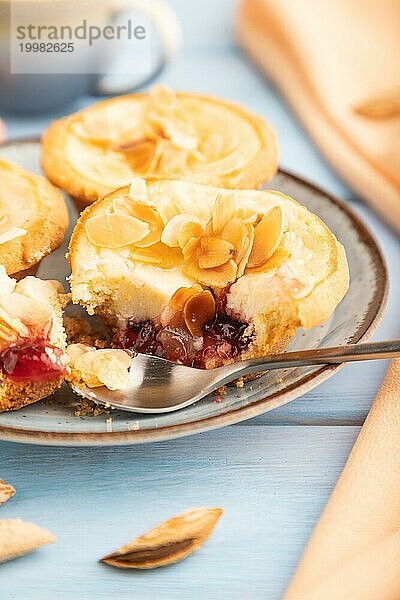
(19, 537)
(268, 235)
(168, 543)
(190, 249)
(111, 230)
(224, 210)
(161, 99)
(31, 312)
(171, 235)
(218, 277)
(13, 324)
(95, 368)
(12, 234)
(74, 351)
(112, 368)
(199, 309)
(215, 252)
(182, 295)
(159, 255)
(145, 213)
(243, 256)
(188, 231)
(7, 491)
(180, 134)
(138, 190)
(7, 284)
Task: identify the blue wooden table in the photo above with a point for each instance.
(272, 475)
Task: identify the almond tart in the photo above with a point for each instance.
(32, 340)
(204, 276)
(33, 218)
(159, 135)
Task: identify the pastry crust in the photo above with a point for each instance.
(30, 203)
(248, 172)
(16, 394)
(300, 285)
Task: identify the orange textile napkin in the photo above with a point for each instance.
(337, 64)
(354, 552)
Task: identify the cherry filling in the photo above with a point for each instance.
(32, 360)
(222, 338)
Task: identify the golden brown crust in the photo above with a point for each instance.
(15, 395)
(260, 169)
(45, 230)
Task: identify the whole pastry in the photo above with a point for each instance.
(33, 218)
(158, 135)
(203, 275)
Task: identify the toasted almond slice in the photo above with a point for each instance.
(199, 309)
(7, 491)
(190, 249)
(144, 213)
(224, 210)
(218, 277)
(168, 543)
(162, 98)
(267, 237)
(138, 190)
(12, 234)
(32, 313)
(214, 252)
(115, 230)
(274, 263)
(111, 366)
(180, 134)
(74, 351)
(171, 235)
(19, 537)
(239, 234)
(11, 323)
(188, 231)
(7, 333)
(158, 254)
(246, 249)
(182, 295)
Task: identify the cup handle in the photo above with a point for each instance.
(169, 29)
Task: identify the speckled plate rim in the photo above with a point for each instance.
(365, 331)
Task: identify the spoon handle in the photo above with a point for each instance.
(321, 356)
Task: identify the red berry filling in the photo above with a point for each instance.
(32, 360)
(223, 338)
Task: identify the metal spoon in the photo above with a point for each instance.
(159, 386)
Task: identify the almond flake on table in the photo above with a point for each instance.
(7, 491)
(19, 537)
(167, 543)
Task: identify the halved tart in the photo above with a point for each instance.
(32, 340)
(33, 218)
(160, 135)
(205, 276)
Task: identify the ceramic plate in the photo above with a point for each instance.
(53, 422)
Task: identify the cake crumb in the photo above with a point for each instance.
(221, 391)
(239, 383)
(88, 408)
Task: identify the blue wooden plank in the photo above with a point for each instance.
(271, 482)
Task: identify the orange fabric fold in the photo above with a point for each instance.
(354, 551)
(337, 64)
